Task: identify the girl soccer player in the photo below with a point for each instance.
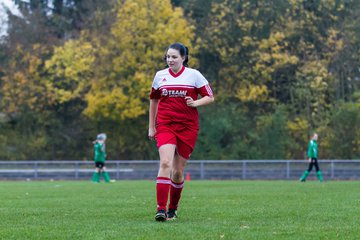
(312, 154)
(173, 122)
(99, 159)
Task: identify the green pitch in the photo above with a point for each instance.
(208, 210)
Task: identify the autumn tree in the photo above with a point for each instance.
(130, 56)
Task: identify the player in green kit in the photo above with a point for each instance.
(99, 159)
(312, 154)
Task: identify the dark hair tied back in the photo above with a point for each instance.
(183, 50)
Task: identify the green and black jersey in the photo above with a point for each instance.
(312, 149)
(99, 152)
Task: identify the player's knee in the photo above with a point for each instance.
(177, 175)
(165, 164)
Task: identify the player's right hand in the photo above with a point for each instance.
(151, 133)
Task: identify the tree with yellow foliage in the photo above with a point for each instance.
(70, 70)
(22, 85)
(129, 57)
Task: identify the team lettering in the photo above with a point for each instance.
(174, 93)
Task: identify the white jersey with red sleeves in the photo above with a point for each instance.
(171, 90)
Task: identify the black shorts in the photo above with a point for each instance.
(99, 164)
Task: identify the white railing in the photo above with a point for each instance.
(197, 169)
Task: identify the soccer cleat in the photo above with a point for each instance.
(171, 214)
(160, 216)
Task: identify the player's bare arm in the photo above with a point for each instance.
(199, 102)
(152, 118)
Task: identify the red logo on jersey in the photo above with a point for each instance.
(164, 80)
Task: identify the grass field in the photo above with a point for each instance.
(208, 210)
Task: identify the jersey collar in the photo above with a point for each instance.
(177, 74)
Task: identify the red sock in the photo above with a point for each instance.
(162, 192)
(175, 194)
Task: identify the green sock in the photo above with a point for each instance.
(304, 176)
(96, 177)
(319, 176)
(106, 177)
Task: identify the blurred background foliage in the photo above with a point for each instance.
(280, 70)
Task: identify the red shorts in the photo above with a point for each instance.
(184, 137)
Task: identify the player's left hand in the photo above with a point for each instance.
(190, 102)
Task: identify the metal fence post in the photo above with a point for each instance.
(202, 174)
(35, 169)
(244, 170)
(77, 170)
(117, 170)
(287, 169)
(332, 170)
